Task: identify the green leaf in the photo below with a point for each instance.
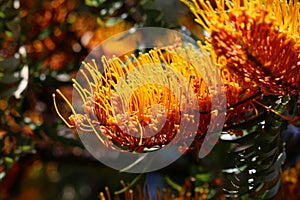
(100, 21)
(204, 177)
(261, 152)
(173, 184)
(45, 33)
(27, 148)
(9, 161)
(8, 33)
(94, 3)
(2, 15)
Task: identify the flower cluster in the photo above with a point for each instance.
(257, 41)
(131, 126)
(255, 46)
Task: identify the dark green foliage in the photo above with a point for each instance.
(254, 161)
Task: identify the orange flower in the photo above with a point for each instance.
(257, 40)
(131, 125)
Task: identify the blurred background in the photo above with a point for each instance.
(42, 45)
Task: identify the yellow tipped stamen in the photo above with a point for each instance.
(135, 60)
(67, 101)
(104, 106)
(84, 91)
(108, 193)
(105, 66)
(101, 196)
(86, 78)
(210, 8)
(287, 14)
(58, 113)
(162, 57)
(129, 64)
(79, 92)
(92, 72)
(95, 65)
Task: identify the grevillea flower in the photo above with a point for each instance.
(258, 41)
(130, 125)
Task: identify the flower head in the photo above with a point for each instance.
(134, 113)
(257, 40)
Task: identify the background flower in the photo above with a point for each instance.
(257, 41)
